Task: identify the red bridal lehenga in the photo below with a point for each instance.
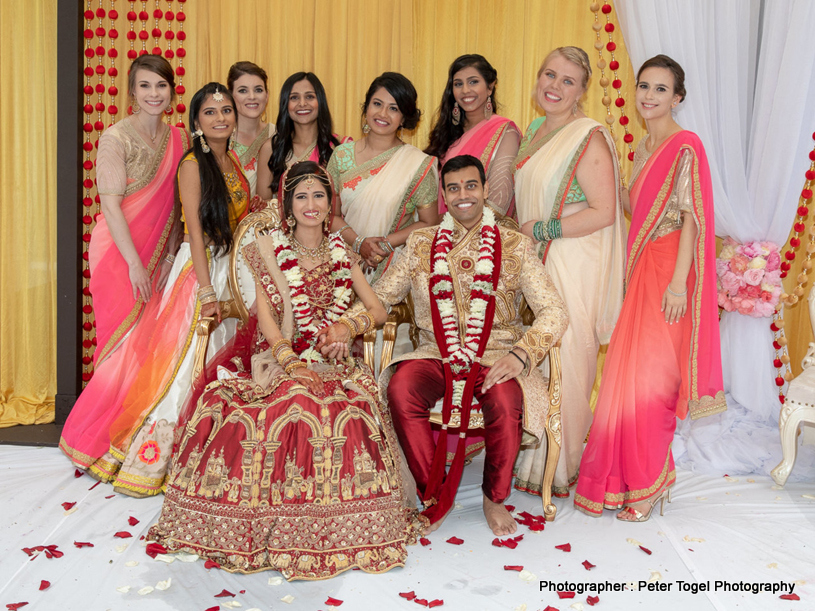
(268, 475)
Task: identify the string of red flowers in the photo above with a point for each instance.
(181, 53)
(601, 65)
(143, 35)
(131, 34)
(782, 357)
(617, 83)
(88, 335)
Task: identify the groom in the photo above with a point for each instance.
(468, 277)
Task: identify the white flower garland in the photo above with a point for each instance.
(301, 306)
(461, 356)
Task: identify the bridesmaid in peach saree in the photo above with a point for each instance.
(664, 359)
(467, 123)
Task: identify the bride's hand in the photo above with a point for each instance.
(309, 379)
(334, 334)
(337, 350)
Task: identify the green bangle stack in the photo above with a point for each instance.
(547, 231)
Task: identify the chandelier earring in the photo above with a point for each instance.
(199, 133)
(456, 114)
(291, 222)
(327, 223)
(135, 107)
(574, 109)
(366, 129)
(488, 108)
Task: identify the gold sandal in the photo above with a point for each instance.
(638, 516)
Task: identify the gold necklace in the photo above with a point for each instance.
(304, 252)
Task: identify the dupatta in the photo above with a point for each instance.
(544, 174)
(481, 142)
(149, 215)
(702, 364)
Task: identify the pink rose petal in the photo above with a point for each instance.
(513, 567)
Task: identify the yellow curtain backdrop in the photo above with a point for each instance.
(28, 78)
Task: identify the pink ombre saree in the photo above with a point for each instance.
(482, 142)
(148, 208)
(654, 371)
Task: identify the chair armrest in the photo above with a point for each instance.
(203, 328)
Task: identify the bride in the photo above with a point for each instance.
(294, 467)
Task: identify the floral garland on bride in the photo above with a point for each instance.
(461, 356)
(307, 329)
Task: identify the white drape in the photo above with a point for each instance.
(751, 99)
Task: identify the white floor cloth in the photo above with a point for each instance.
(733, 529)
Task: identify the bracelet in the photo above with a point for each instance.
(349, 324)
(169, 258)
(682, 294)
(343, 228)
(278, 346)
(519, 358)
(386, 245)
(539, 232)
(554, 229)
(357, 243)
(298, 364)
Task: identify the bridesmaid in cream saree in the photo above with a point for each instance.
(567, 191)
(385, 188)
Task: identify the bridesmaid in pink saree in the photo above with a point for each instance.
(467, 124)
(664, 359)
(135, 174)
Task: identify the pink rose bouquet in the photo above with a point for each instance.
(749, 277)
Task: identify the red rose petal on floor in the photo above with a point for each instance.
(646, 550)
(67, 506)
(224, 593)
(78, 473)
(536, 527)
(333, 602)
(15, 606)
(409, 595)
(588, 565)
(424, 542)
(562, 595)
(242, 592)
(566, 547)
(215, 608)
(550, 608)
(513, 567)
(435, 603)
(110, 497)
(455, 541)
(509, 508)
(44, 585)
(81, 544)
(210, 564)
(94, 486)
(51, 551)
(154, 549)
(593, 600)
(123, 534)
(420, 601)
(790, 597)
(132, 521)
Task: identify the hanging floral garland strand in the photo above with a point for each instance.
(782, 357)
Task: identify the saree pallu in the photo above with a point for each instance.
(121, 428)
(248, 156)
(655, 371)
(482, 142)
(379, 196)
(588, 273)
(149, 216)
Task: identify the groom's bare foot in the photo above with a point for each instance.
(499, 519)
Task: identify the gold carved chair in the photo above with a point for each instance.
(404, 313)
(241, 284)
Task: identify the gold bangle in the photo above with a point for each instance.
(298, 364)
(350, 325)
(279, 344)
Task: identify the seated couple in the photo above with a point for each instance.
(296, 466)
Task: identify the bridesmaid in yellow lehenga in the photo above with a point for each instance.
(568, 199)
(385, 188)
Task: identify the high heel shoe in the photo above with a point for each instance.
(638, 516)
